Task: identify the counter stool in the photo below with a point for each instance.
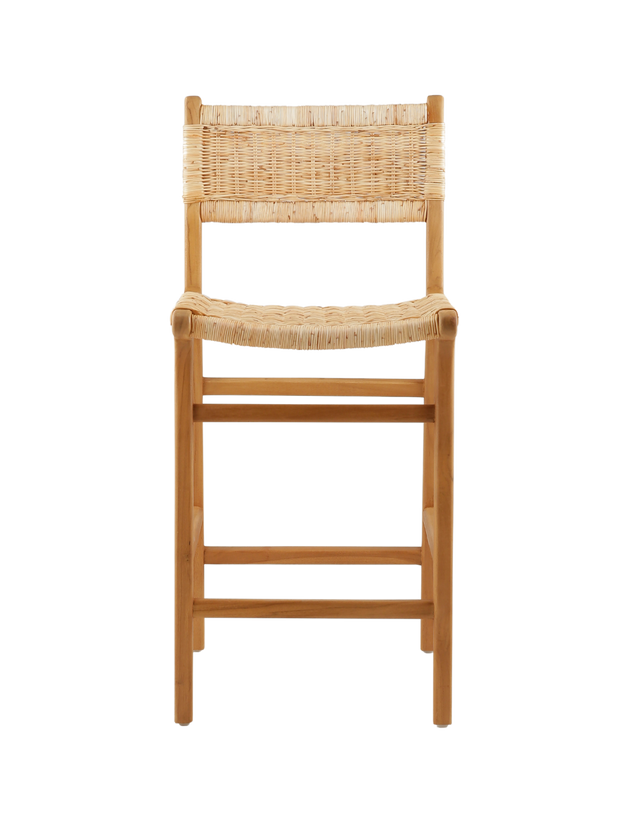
(372, 163)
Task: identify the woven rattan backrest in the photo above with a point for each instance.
(375, 163)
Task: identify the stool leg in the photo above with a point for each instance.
(183, 523)
(443, 551)
(425, 642)
(425, 628)
(198, 496)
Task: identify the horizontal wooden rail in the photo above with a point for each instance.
(196, 527)
(428, 519)
(310, 555)
(314, 608)
(336, 387)
(311, 413)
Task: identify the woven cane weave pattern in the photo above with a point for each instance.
(276, 327)
(327, 161)
(246, 163)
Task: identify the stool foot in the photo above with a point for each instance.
(442, 725)
(427, 651)
(187, 723)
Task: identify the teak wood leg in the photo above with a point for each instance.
(425, 632)
(443, 550)
(183, 521)
(198, 498)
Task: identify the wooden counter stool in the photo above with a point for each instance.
(372, 163)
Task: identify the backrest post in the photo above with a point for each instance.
(435, 216)
(192, 220)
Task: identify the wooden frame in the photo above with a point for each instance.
(434, 556)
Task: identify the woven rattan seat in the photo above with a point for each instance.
(276, 327)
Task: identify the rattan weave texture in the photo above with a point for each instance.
(332, 163)
(315, 327)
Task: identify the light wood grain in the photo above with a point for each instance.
(192, 106)
(311, 413)
(198, 589)
(443, 550)
(435, 247)
(198, 493)
(447, 324)
(428, 521)
(426, 594)
(430, 350)
(183, 531)
(338, 387)
(181, 324)
(313, 608)
(441, 519)
(311, 555)
(435, 108)
(196, 527)
(193, 283)
(192, 221)
(192, 249)
(435, 216)
(428, 477)
(185, 459)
